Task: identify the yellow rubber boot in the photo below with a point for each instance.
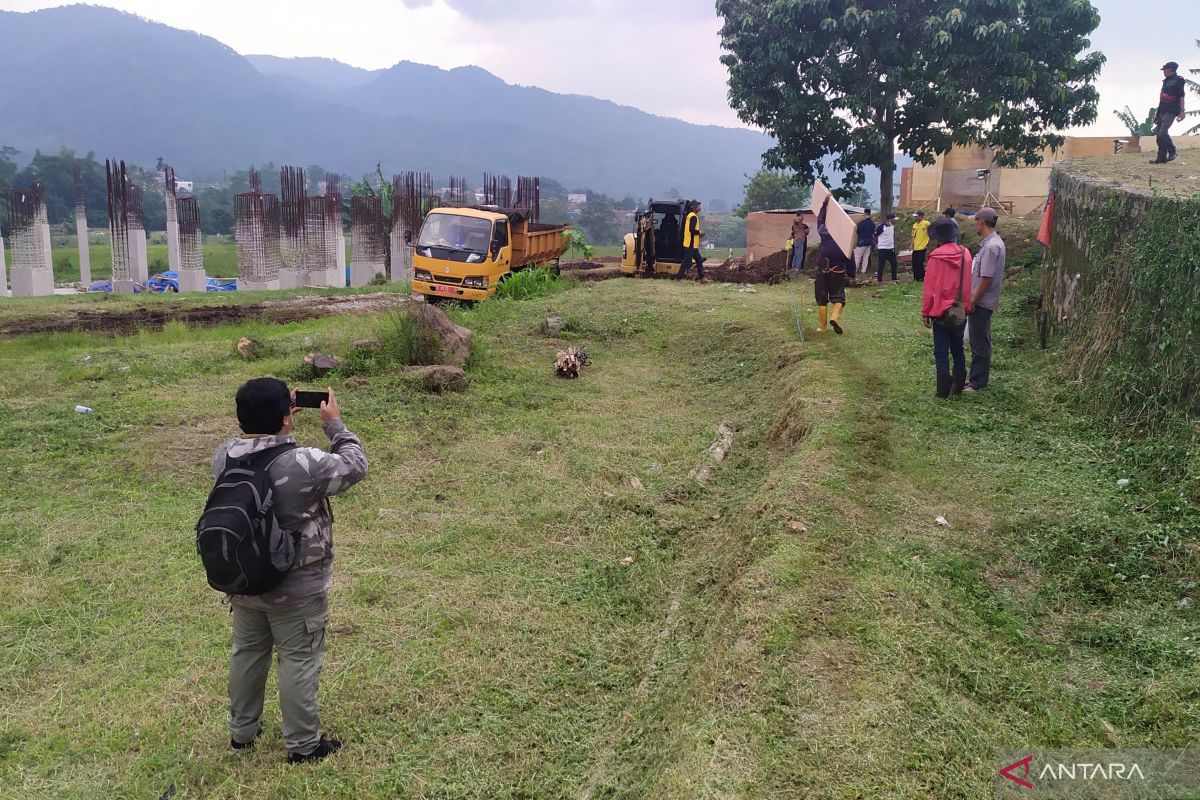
(836, 319)
(823, 313)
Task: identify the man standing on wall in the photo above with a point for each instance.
(987, 273)
(885, 235)
(920, 237)
(865, 232)
(1170, 111)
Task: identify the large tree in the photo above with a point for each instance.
(770, 189)
(856, 79)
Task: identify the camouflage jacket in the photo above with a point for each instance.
(303, 479)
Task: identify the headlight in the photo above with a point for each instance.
(624, 252)
(474, 258)
(476, 283)
(422, 275)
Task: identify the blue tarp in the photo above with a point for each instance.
(169, 282)
(106, 286)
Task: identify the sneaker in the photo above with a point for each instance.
(1172, 156)
(325, 747)
(236, 745)
(1159, 161)
(837, 327)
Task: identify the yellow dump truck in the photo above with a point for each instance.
(465, 252)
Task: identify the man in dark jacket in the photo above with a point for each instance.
(290, 618)
(830, 285)
(1170, 110)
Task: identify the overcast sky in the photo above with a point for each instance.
(657, 55)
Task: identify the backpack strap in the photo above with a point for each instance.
(264, 460)
(260, 460)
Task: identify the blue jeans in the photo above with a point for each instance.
(948, 342)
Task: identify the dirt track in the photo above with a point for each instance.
(154, 317)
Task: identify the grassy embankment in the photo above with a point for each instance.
(514, 618)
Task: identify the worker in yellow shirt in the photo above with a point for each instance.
(920, 246)
(692, 235)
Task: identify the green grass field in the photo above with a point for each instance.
(514, 616)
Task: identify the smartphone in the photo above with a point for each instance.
(311, 399)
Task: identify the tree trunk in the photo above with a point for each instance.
(887, 174)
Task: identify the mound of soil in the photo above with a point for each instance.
(601, 274)
(771, 269)
(153, 316)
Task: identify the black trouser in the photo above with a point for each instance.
(691, 254)
(980, 332)
(830, 287)
(1166, 147)
(918, 265)
(886, 256)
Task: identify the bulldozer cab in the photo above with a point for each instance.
(656, 244)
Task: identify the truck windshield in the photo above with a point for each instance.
(466, 234)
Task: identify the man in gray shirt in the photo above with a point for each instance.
(987, 273)
(289, 619)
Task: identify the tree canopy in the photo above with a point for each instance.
(770, 189)
(856, 78)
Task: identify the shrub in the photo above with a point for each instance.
(529, 284)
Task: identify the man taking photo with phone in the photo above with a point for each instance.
(290, 617)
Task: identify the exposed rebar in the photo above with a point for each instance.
(191, 238)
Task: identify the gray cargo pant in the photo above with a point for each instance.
(980, 332)
(298, 637)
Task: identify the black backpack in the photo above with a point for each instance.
(238, 539)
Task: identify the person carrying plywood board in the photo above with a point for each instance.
(832, 261)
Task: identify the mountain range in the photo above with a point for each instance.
(93, 78)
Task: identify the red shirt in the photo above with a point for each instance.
(945, 272)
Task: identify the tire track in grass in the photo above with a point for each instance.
(604, 761)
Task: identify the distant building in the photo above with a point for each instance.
(768, 232)
(968, 178)
(577, 199)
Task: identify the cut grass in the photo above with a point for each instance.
(491, 637)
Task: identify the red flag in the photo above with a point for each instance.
(1046, 232)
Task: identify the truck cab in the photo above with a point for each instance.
(655, 247)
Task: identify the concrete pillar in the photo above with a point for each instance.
(33, 272)
(85, 253)
(32, 282)
(402, 269)
(192, 280)
(340, 278)
(47, 256)
(174, 260)
(254, 286)
(139, 260)
(289, 279)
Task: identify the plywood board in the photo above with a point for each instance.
(841, 227)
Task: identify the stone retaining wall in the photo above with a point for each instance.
(1121, 288)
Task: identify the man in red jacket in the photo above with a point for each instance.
(943, 306)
